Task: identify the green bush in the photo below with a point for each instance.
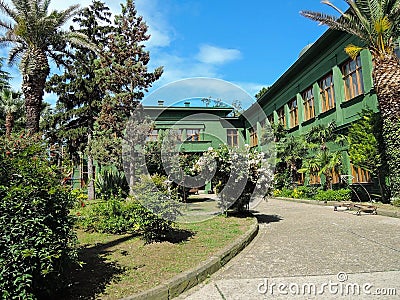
(396, 202)
(111, 182)
(333, 195)
(37, 240)
(151, 217)
(308, 192)
(286, 193)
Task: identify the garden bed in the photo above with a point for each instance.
(117, 266)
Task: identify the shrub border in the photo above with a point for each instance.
(381, 211)
(188, 279)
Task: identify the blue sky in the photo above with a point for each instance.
(249, 44)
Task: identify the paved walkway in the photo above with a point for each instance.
(311, 252)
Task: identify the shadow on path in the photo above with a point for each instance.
(266, 219)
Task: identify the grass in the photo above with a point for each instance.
(117, 266)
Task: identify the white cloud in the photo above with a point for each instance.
(252, 87)
(155, 17)
(214, 55)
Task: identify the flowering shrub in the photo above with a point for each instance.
(297, 193)
(240, 175)
(283, 193)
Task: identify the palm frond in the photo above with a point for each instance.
(15, 54)
(4, 8)
(357, 13)
(6, 25)
(353, 50)
(336, 23)
(65, 15)
(333, 6)
(6, 41)
(81, 40)
(382, 25)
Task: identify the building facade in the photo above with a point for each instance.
(324, 85)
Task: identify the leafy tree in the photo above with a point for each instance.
(206, 101)
(320, 135)
(79, 96)
(321, 160)
(261, 92)
(376, 24)
(124, 74)
(218, 102)
(365, 147)
(290, 152)
(124, 77)
(4, 76)
(323, 163)
(237, 108)
(36, 36)
(11, 104)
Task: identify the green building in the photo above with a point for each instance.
(198, 128)
(322, 86)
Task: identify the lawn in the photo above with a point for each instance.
(117, 266)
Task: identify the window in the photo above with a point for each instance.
(315, 179)
(352, 76)
(193, 135)
(308, 97)
(253, 137)
(335, 177)
(177, 133)
(360, 175)
(232, 137)
(327, 93)
(300, 178)
(153, 136)
(294, 116)
(281, 116)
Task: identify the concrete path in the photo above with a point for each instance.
(311, 252)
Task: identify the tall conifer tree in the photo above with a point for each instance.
(79, 96)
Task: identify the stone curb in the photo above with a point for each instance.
(188, 279)
(381, 211)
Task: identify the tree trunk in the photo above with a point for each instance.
(34, 73)
(90, 186)
(386, 75)
(9, 124)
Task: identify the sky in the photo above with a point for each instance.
(246, 44)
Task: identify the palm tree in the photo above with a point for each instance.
(376, 24)
(35, 36)
(291, 150)
(10, 103)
